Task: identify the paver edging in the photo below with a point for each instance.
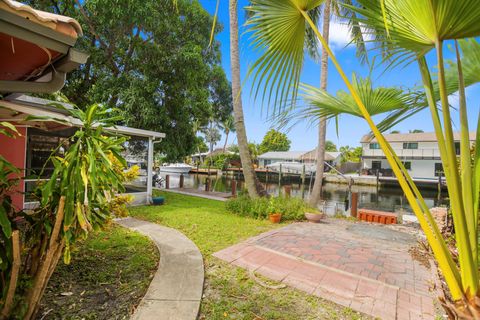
(176, 289)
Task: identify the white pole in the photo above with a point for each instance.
(150, 170)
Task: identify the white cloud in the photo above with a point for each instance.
(339, 35)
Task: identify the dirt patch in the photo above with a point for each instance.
(107, 278)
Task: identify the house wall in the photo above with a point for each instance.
(420, 169)
(13, 150)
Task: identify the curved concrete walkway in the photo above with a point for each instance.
(176, 289)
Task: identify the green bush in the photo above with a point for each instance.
(221, 160)
(260, 208)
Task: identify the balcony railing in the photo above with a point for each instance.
(405, 153)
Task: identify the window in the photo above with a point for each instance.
(410, 145)
(407, 165)
(376, 165)
(374, 146)
(457, 148)
(438, 169)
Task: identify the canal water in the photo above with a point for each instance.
(335, 196)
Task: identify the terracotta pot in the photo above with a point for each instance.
(275, 217)
(314, 217)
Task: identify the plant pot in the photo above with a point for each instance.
(314, 217)
(275, 217)
(158, 201)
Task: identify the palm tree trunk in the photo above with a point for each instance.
(322, 126)
(254, 188)
(226, 139)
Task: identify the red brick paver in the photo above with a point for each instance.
(355, 265)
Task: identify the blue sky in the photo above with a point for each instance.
(351, 129)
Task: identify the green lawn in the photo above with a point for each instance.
(107, 277)
(229, 291)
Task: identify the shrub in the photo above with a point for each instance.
(260, 208)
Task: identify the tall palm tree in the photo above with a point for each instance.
(228, 125)
(252, 184)
(322, 125)
(405, 30)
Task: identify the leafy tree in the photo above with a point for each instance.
(200, 144)
(150, 59)
(330, 146)
(350, 154)
(212, 135)
(274, 141)
(394, 131)
(416, 131)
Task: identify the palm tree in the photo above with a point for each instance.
(404, 30)
(322, 125)
(252, 184)
(228, 125)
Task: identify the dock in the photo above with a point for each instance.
(212, 195)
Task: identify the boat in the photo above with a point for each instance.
(176, 168)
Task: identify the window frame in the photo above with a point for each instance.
(410, 145)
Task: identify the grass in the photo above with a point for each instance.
(229, 291)
(106, 279)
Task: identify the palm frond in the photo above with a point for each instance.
(278, 31)
(414, 26)
(319, 103)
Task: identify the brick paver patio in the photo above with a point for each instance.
(362, 266)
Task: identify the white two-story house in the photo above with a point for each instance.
(418, 151)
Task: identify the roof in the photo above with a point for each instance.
(412, 137)
(279, 155)
(19, 108)
(62, 24)
(329, 155)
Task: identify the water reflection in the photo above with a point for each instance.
(335, 196)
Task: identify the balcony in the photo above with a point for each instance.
(404, 153)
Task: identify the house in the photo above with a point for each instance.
(418, 151)
(36, 53)
(271, 157)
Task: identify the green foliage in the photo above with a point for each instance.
(350, 154)
(274, 141)
(212, 135)
(221, 160)
(260, 208)
(150, 61)
(8, 180)
(86, 177)
(200, 145)
(330, 146)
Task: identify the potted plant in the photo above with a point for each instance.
(273, 215)
(313, 215)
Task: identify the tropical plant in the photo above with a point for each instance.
(403, 30)
(73, 202)
(228, 125)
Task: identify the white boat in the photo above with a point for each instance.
(176, 168)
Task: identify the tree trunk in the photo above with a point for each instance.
(226, 139)
(254, 188)
(322, 126)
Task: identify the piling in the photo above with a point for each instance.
(167, 181)
(234, 188)
(354, 205)
(181, 180)
(207, 184)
